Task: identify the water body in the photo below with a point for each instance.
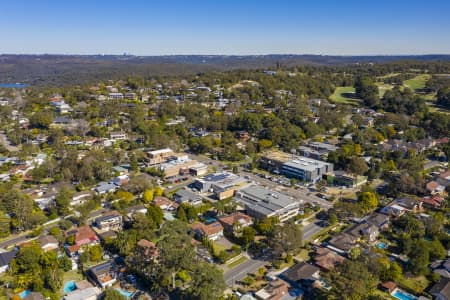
(13, 85)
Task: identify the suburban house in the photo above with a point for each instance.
(434, 201)
(147, 249)
(80, 197)
(433, 187)
(326, 259)
(103, 274)
(115, 96)
(105, 188)
(401, 206)
(211, 231)
(83, 236)
(165, 203)
(235, 223)
(121, 180)
(136, 209)
(48, 243)
(111, 220)
(5, 259)
(302, 275)
(275, 290)
(185, 196)
(441, 289)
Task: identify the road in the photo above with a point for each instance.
(13, 241)
(241, 271)
(310, 230)
(5, 142)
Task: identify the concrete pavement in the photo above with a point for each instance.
(310, 230)
(241, 271)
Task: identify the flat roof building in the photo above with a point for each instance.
(223, 185)
(306, 169)
(261, 203)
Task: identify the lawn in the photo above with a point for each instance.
(73, 275)
(382, 88)
(417, 82)
(237, 262)
(416, 284)
(303, 255)
(345, 95)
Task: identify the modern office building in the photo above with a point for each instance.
(298, 167)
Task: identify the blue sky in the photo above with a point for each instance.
(146, 27)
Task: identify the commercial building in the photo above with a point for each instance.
(260, 203)
(159, 156)
(293, 166)
(223, 185)
(177, 165)
(306, 169)
(199, 169)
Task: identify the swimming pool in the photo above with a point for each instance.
(24, 294)
(70, 286)
(209, 220)
(402, 295)
(125, 293)
(381, 245)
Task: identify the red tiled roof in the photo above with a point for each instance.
(230, 220)
(208, 230)
(434, 201)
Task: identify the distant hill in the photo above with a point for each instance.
(77, 69)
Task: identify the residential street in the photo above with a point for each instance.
(241, 271)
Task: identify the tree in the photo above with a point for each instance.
(248, 236)
(419, 258)
(62, 201)
(207, 282)
(284, 239)
(368, 200)
(41, 119)
(332, 218)
(366, 90)
(124, 195)
(155, 214)
(181, 214)
(357, 166)
(351, 280)
(113, 294)
(95, 253)
(158, 191)
(5, 224)
(148, 195)
(395, 272)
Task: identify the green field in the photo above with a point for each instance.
(382, 88)
(345, 95)
(417, 82)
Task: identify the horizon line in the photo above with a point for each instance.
(267, 54)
